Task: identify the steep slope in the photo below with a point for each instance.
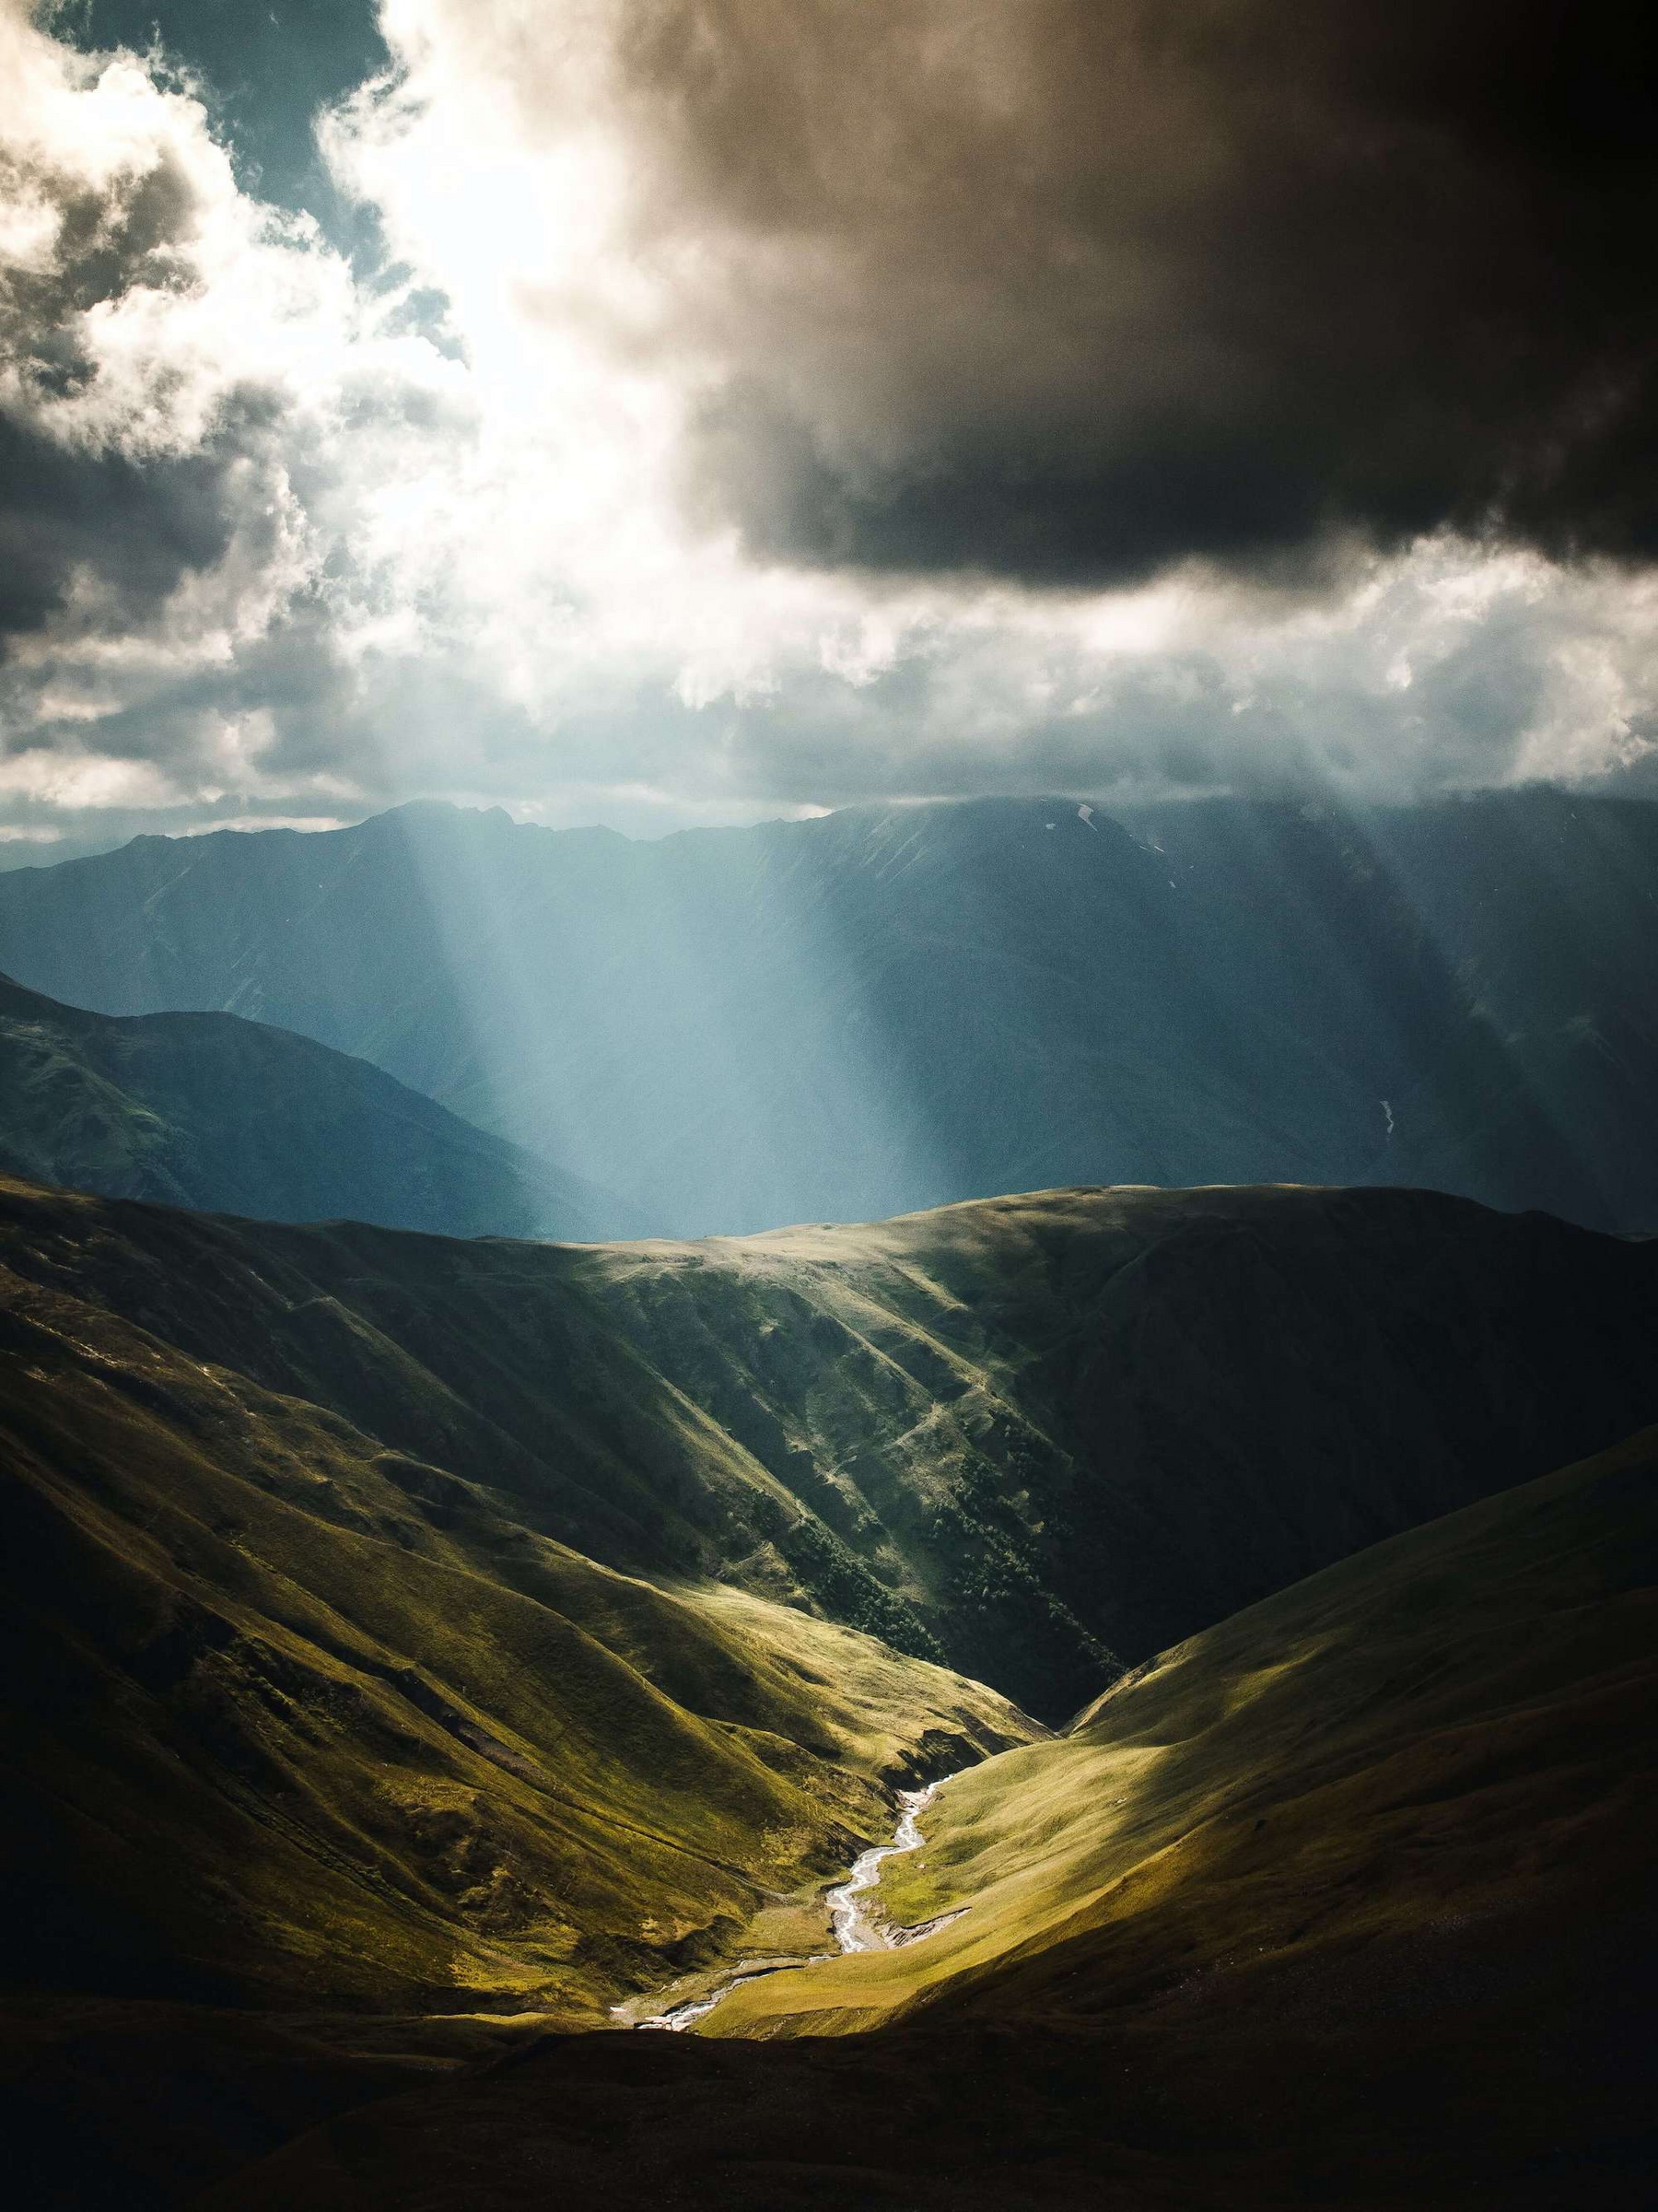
(210, 1111)
(1535, 903)
(294, 1717)
(1074, 1425)
(393, 1651)
(889, 1009)
(1034, 1437)
(1453, 1723)
(1344, 1902)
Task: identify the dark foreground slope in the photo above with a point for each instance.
(210, 1111)
(888, 1009)
(1035, 1437)
(1346, 1903)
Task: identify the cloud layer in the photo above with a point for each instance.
(1077, 289)
(766, 408)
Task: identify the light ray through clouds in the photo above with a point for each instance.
(626, 1045)
(349, 538)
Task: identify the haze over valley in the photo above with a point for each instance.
(728, 1030)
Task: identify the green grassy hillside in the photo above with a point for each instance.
(210, 1111)
(1454, 1722)
(1067, 1428)
(294, 1717)
(1033, 1438)
(415, 1645)
(1346, 1901)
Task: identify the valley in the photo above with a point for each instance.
(428, 1653)
(1434, 1736)
(1346, 1901)
(1037, 1438)
(828, 1107)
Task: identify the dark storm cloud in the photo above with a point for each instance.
(1067, 291)
(99, 500)
(136, 527)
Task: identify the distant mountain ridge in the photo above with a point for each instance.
(211, 1111)
(886, 1009)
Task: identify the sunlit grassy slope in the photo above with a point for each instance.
(396, 1620)
(208, 1110)
(1034, 1437)
(1455, 1728)
(292, 1717)
(1346, 1903)
(1070, 1427)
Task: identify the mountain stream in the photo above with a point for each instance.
(854, 1930)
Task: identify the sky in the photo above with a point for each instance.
(661, 411)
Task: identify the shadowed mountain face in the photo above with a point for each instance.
(1035, 1438)
(210, 1111)
(1346, 1903)
(881, 1011)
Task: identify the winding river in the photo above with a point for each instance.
(854, 1930)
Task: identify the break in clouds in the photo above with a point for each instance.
(751, 406)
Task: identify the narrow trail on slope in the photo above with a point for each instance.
(854, 1930)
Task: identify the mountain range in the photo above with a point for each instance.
(440, 1638)
(1037, 1438)
(885, 1010)
(211, 1111)
(418, 1648)
(1346, 1903)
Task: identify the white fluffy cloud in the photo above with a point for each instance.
(287, 540)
